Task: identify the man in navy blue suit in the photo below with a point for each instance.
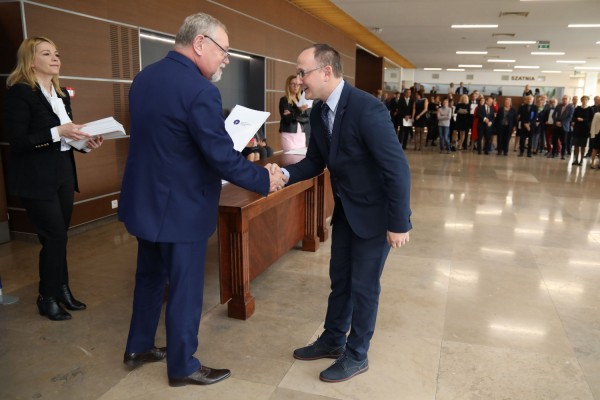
(178, 153)
(353, 136)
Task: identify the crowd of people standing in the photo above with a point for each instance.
(541, 126)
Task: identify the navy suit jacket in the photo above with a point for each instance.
(178, 152)
(369, 171)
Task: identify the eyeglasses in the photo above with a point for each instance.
(225, 52)
(301, 73)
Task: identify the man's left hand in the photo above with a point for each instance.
(397, 240)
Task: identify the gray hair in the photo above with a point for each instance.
(194, 25)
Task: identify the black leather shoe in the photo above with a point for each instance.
(49, 307)
(66, 298)
(204, 376)
(318, 350)
(153, 355)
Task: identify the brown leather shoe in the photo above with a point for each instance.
(204, 376)
(136, 359)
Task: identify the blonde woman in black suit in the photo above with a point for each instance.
(41, 171)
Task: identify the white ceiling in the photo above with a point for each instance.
(420, 30)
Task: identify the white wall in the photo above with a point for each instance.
(493, 81)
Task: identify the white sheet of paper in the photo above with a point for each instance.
(242, 124)
(303, 101)
(406, 122)
(108, 127)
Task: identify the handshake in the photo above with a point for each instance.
(276, 177)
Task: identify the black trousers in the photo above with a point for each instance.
(51, 218)
(504, 134)
(484, 133)
(403, 134)
(525, 134)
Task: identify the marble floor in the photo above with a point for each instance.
(496, 297)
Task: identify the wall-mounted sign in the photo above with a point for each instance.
(522, 78)
(543, 44)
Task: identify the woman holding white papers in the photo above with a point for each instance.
(293, 117)
(41, 171)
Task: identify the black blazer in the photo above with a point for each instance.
(528, 115)
(289, 122)
(511, 117)
(403, 109)
(34, 157)
(369, 171)
(481, 114)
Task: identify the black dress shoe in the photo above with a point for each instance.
(66, 298)
(204, 376)
(153, 355)
(49, 307)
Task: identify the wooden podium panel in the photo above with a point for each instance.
(255, 231)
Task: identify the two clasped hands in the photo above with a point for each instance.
(276, 177)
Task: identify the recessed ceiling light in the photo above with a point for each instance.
(588, 68)
(527, 66)
(471, 52)
(551, 72)
(570, 61)
(473, 26)
(503, 70)
(598, 42)
(516, 42)
(455, 69)
(499, 60)
(547, 53)
(470, 65)
(432, 69)
(584, 25)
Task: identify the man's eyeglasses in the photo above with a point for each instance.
(301, 73)
(225, 52)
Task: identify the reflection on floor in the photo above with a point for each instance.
(495, 297)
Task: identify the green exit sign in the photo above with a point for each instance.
(543, 45)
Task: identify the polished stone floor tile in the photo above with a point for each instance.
(495, 297)
(478, 372)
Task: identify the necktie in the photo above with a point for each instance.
(325, 118)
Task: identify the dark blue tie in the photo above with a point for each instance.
(325, 118)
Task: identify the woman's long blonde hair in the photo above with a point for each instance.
(291, 98)
(23, 72)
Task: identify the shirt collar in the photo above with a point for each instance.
(334, 97)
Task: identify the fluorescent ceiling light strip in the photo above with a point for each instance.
(467, 26)
(498, 60)
(547, 53)
(432, 69)
(584, 25)
(588, 68)
(471, 52)
(503, 70)
(516, 42)
(455, 69)
(551, 72)
(470, 65)
(527, 66)
(570, 61)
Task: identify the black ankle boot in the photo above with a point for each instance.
(66, 298)
(49, 307)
